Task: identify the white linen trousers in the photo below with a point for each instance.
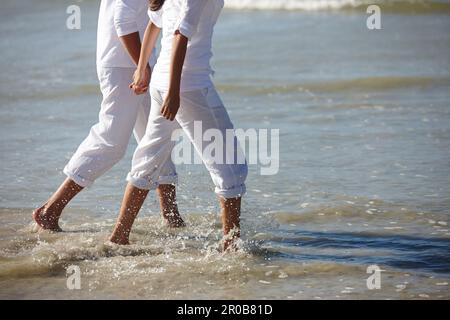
(121, 112)
(155, 148)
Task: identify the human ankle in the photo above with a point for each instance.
(53, 210)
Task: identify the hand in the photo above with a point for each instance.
(141, 80)
(170, 106)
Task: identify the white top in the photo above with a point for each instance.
(118, 18)
(195, 19)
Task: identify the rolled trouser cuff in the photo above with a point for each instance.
(169, 179)
(146, 184)
(82, 182)
(234, 192)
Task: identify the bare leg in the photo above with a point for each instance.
(231, 217)
(47, 216)
(169, 207)
(131, 204)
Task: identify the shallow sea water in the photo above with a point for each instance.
(364, 161)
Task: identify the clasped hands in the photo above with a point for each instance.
(140, 84)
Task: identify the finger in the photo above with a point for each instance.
(172, 116)
(140, 88)
(174, 113)
(164, 110)
(167, 114)
(138, 91)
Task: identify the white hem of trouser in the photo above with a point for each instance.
(145, 184)
(235, 192)
(172, 179)
(82, 182)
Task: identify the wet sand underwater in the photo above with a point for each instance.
(281, 261)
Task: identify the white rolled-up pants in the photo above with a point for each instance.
(121, 113)
(155, 148)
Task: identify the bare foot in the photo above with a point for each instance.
(119, 240)
(231, 240)
(230, 245)
(174, 220)
(46, 220)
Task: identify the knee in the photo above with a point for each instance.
(115, 152)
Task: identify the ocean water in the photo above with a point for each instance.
(364, 179)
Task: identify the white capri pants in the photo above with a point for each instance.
(121, 112)
(156, 146)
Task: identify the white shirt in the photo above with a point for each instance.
(195, 19)
(118, 18)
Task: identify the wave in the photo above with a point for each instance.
(411, 6)
(366, 84)
(374, 211)
(54, 94)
